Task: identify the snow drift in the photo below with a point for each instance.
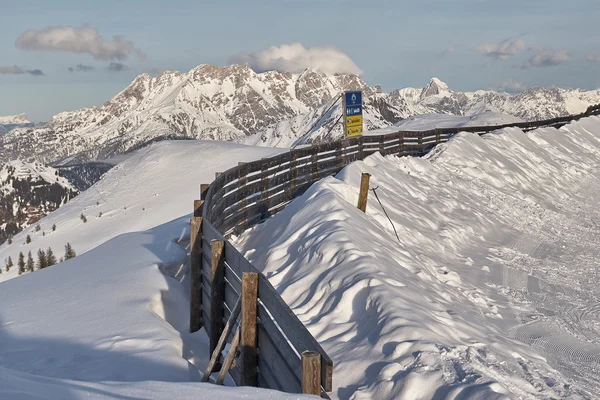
(496, 234)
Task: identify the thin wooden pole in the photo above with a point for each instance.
(249, 359)
(230, 357)
(311, 373)
(217, 292)
(196, 274)
(364, 192)
(222, 340)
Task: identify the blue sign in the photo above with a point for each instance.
(353, 110)
(354, 99)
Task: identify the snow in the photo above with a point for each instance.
(426, 122)
(113, 322)
(24, 170)
(491, 291)
(14, 119)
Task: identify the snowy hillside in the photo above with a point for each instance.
(271, 108)
(491, 289)
(151, 187)
(112, 322)
(426, 122)
(29, 191)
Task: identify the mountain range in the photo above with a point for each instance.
(235, 103)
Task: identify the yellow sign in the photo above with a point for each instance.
(354, 131)
(354, 121)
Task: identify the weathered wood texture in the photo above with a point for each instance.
(311, 368)
(217, 293)
(196, 274)
(248, 339)
(363, 195)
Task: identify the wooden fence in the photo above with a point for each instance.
(271, 338)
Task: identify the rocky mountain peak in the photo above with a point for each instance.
(434, 87)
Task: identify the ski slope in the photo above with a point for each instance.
(490, 293)
(113, 322)
(491, 290)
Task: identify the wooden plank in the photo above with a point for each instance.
(270, 358)
(195, 274)
(216, 353)
(248, 339)
(293, 328)
(217, 294)
(311, 369)
(230, 357)
(280, 341)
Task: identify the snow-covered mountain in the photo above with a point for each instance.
(28, 192)
(14, 119)
(235, 103)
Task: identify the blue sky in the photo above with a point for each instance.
(469, 44)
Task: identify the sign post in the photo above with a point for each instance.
(353, 116)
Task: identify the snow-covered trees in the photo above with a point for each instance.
(21, 263)
(42, 261)
(69, 252)
(29, 267)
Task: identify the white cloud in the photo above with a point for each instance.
(548, 59)
(449, 50)
(511, 86)
(296, 58)
(593, 58)
(502, 50)
(83, 39)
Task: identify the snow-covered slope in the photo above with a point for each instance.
(14, 119)
(426, 122)
(270, 108)
(153, 186)
(28, 191)
(490, 290)
(113, 322)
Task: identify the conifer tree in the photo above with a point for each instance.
(30, 264)
(28, 239)
(69, 252)
(53, 227)
(42, 261)
(9, 239)
(9, 264)
(21, 263)
(50, 258)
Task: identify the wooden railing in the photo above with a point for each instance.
(271, 337)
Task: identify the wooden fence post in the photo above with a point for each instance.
(196, 274)
(364, 192)
(217, 293)
(198, 206)
(204, 190)
(248, 357)
(311, 373)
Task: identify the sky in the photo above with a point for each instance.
(63, 55)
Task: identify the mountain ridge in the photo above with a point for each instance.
(234, 103)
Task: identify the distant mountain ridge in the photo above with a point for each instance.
(10, 122)
(14, 119)
(237, 104)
